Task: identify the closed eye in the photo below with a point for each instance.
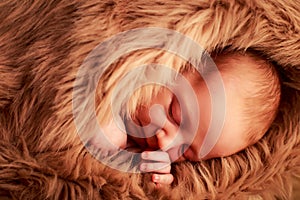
(174, 111)
(170, 110)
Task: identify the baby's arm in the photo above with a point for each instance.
(158, 162)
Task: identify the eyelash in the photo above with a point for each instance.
(170, 111)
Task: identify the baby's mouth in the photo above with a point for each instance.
(142, 132)
(135, 135)
(152, 143)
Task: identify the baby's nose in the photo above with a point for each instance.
(161, 126)
(166, 137)
(161, 139)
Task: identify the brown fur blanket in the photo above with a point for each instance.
(42, 45)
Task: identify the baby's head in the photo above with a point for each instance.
(252, 92)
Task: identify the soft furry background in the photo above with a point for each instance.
(43, 43)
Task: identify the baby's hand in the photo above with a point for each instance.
(160, 163)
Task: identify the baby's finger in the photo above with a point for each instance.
(156, 167)
(159, 156)
(164, 179)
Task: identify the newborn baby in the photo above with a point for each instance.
(252, 97)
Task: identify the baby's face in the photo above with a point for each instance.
(233, 135)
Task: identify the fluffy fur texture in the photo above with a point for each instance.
(42, 45)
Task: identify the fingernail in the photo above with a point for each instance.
(155, 178)
(143, 167)
(144, 155)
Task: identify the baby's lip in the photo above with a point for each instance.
(136, 133)
(142, 130)
(152, 143)
(143, 136)
(147, 143)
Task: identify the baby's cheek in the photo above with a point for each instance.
(110, 138)
(119, 141)
(115, 136)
